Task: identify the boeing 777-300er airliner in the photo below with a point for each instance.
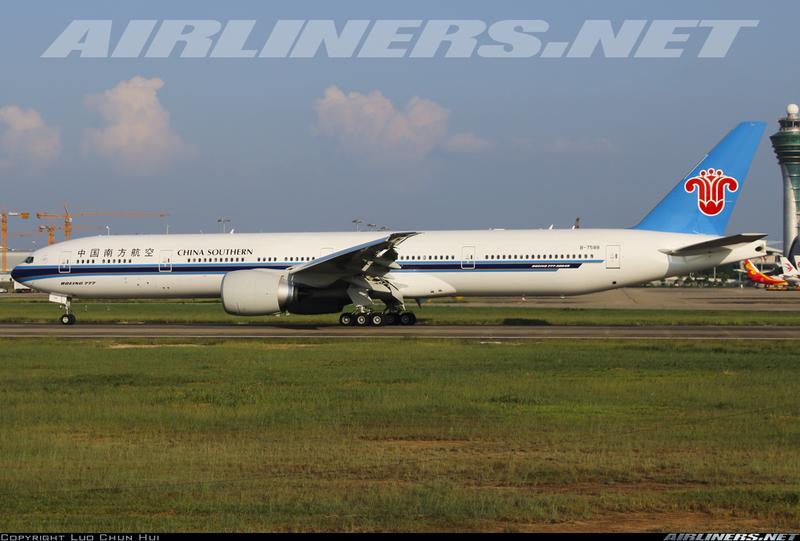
(320, 273)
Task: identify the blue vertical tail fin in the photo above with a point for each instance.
(703, 200)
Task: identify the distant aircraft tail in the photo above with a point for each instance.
(750, 268)
(759, 277)
(788, 268)
(797, 261)
(703, 200)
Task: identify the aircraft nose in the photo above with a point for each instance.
(16, 274)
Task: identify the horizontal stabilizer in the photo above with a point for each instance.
(715, 244)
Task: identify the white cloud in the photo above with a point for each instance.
(370, 124)
(468, 142)
(137, 136)
(25, 138)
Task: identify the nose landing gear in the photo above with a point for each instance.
(67, 318)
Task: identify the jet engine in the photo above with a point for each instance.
(260, 292)
(256, 292)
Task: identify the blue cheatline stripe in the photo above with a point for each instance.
(38, 272)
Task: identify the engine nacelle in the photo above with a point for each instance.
(318, 302)
(256, 292)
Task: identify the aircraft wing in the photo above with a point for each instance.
(373, 258)
(714, 245)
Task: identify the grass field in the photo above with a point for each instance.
(38, 310)
(398, 435)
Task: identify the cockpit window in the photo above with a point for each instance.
(29, 259)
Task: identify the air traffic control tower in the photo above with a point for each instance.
(787, 148)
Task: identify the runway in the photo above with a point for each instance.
(476, 332)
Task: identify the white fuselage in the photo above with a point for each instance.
(433, 264)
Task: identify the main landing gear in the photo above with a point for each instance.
(377, 319)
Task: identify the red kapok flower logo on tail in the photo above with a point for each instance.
(710, 186)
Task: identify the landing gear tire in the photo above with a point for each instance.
(390, 319)
(376, 319)
(362, 320)
(67, 319)
(346, 320)
(408, 318)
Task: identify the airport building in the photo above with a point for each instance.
(12, 259)
(786, 143)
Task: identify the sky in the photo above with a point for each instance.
(309, 144)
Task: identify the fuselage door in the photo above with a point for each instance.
(165, 261)
(613, 258)
(468, 257)
(64, 265)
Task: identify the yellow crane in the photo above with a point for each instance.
(51, 230)
(4, 215)
(68, 216)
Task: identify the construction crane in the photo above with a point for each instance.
(51, 230)
(68, 216)
(22, 234)
(4, 234)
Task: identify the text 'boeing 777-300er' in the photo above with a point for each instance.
(319, 273)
